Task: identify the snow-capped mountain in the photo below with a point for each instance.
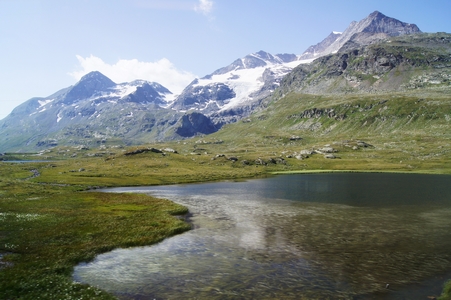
(376, 26)
(93, 91)
(98, 88)
(233, 92)
(238, 87)
(96, 109)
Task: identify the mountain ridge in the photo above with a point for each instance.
(250, 80)
(97, 110)
(374, 23)
(402, 63)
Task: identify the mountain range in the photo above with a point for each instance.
(97, 110)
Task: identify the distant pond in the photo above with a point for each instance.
(312, 236)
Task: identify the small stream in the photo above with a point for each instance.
(317, 236)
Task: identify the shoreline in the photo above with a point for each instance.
(438, 282)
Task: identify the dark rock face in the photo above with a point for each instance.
(251, 61)
(200, 96)
(147, 93)
(47, 143)
(193, 124)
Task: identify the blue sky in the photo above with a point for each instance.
(47, 45)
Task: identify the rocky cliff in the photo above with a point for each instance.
(374, 27)
(394, 64)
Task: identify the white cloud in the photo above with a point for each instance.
(125, 70)
(204, 6)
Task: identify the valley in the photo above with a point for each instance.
(375, 98)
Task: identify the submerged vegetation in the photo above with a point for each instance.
(49, 221)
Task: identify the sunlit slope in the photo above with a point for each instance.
(384, 131)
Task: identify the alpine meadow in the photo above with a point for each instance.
(375, 98)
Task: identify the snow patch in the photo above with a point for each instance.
(169, 98)
(44, 102)
(125, 90)
(244, 82)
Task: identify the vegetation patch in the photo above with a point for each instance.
(446, 295)
(42, 239)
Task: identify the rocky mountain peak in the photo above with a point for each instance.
(88, 85)
(255, 60)
(375, 26)
(263, 55)
(377, 22)
(376, 14)
(97, 80)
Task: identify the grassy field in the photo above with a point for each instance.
(46, 229)
(50, 222)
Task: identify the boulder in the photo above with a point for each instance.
(363, 144)
(306, 152)
(169, 150)
(143, 150)
(295, 138)
(260, 161)
(280, 160)
(327, 150)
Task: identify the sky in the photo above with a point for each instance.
(47, 45)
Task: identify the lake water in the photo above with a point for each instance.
(315, 236)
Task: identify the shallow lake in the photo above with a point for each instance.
(315, 236)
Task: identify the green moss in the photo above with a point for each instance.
(446, 294)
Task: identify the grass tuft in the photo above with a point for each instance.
(446, 294)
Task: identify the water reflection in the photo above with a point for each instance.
(319, 236)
